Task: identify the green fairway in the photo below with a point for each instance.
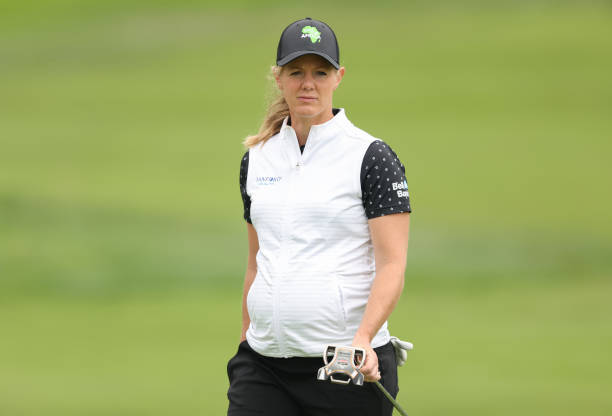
(122, 243)
(531, 350)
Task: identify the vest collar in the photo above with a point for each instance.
(318, 131)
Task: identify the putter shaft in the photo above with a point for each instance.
(391, 399)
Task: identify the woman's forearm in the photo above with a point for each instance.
(386, 290)
(249, 277)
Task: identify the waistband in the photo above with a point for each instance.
(299, 365)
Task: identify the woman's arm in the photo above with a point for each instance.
(390, 240)
(249, 277)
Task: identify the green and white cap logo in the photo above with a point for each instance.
(312, 33)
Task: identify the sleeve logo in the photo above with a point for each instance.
(401, 188)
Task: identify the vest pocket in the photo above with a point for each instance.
(259, 307)
(311, 308)
(250, 302)
(341, 303)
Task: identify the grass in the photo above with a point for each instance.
(533, 350)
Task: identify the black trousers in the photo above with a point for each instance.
(269, 386)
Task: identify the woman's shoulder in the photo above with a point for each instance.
(380, 152)
(270, 144)
(356, 134)
(380, 146)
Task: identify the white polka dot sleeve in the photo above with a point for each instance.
(246, 199)
(384, 189)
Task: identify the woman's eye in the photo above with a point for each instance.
(321, 73)
(294, 73)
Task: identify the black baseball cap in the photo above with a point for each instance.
(308, 36)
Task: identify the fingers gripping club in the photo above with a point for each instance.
(342, 365)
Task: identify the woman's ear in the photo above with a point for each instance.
(339, 76)
(277, 79)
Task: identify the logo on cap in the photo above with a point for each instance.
(312, 33)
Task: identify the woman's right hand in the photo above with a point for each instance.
(370, 368)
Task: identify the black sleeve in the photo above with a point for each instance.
(384, 189)
(246, 200)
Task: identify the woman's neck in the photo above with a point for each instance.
(302, 125)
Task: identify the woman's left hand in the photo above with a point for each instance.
(370, 367)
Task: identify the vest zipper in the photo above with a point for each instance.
(284, 242)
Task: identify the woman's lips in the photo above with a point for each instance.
(307, 99)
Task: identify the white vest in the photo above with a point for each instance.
(315, 264)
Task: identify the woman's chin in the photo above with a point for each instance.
(306, 111)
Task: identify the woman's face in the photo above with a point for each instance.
(308, 85)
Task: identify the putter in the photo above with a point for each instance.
(342, 365)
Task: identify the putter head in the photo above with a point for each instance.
(342, 365)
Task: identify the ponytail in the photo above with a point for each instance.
(278, 109)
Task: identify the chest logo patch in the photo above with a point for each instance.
(267, 180)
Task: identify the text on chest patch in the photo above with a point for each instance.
(267, 180)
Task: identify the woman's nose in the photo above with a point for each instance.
(308, 81)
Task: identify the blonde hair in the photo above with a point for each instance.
(278, 109)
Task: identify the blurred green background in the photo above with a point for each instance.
(122, 246)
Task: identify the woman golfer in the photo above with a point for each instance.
(327, 214)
